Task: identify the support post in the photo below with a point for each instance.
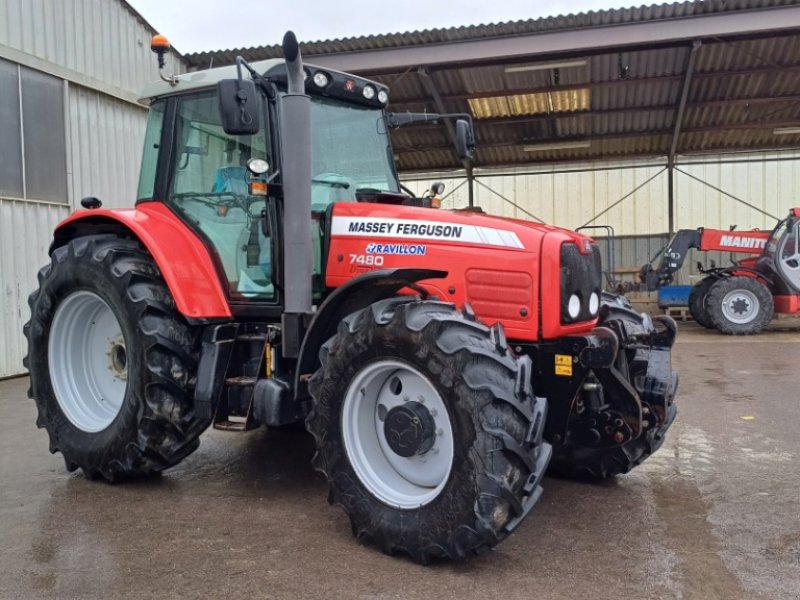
(671, 195)
(676, 132)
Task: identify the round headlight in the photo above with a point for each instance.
(369, 92)
(383, 97)
(257, 166)
(594, 303)
(320, 79)
(574, 306)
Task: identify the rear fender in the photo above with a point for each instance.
(183, 260)
(354, 295)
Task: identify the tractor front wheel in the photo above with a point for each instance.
(739, 305)
(427, 429)
(112, 362)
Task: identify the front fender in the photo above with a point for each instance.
(183, 260)
(352, 296)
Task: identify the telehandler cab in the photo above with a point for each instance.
(274, 272)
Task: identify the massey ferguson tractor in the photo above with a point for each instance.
(273, 271)
(741, 298)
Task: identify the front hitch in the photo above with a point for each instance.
(613, 385)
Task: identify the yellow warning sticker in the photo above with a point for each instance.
(564, 365)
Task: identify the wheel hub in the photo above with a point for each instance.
(88, 361)
(118, 358)
(740, 306)
(409, 429)
(397, 433)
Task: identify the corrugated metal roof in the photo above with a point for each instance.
(743, 86)
(600, 18)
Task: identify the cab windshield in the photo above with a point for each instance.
(775, 237)
(350, 151)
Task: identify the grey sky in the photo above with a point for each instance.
(222, 24)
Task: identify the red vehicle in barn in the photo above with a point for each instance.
(741, 298)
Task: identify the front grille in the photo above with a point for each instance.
(580, 275)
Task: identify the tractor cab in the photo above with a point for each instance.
(227, 186)
(781, 255)
(218, 163)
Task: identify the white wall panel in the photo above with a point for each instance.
(770, 186)
(105, 140)
(25, 234)
(570, 199)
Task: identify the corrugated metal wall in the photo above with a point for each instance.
(569, 197)
(632, 198)
(26, 233)
(105, 142)
(99, 43)
(100, 52)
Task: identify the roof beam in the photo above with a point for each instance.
(594, 157)
(430, 86)
(687, 82)
(617, 135)
(522, 119)
(587, 39)
(766, 71)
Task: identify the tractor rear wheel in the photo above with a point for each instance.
(739, 305)
(427, 429)
(112, 362)
(697, 302)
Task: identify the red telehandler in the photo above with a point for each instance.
(274, 272)
(741, 298)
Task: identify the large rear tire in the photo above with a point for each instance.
(697, 302)
(112, 362)
(739, 305)
(427, 430)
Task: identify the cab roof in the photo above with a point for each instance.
(200, 80)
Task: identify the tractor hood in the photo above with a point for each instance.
(446, 226)
(495, 264)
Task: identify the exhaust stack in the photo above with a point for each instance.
(296, 149)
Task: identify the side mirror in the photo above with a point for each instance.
(238, 106)
(465, 139)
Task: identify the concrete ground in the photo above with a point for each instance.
(714, 514)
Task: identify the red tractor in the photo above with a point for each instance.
(274, 272)
(741, 298)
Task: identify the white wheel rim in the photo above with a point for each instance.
(87, 355)
(740, 306)
(401, 482)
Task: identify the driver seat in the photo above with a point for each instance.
(232, 180)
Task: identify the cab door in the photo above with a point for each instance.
(787, 255)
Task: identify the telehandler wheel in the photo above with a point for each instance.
(739, 305)
(584, 463)
(427, 429)
(112, 362)
(697, 302)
